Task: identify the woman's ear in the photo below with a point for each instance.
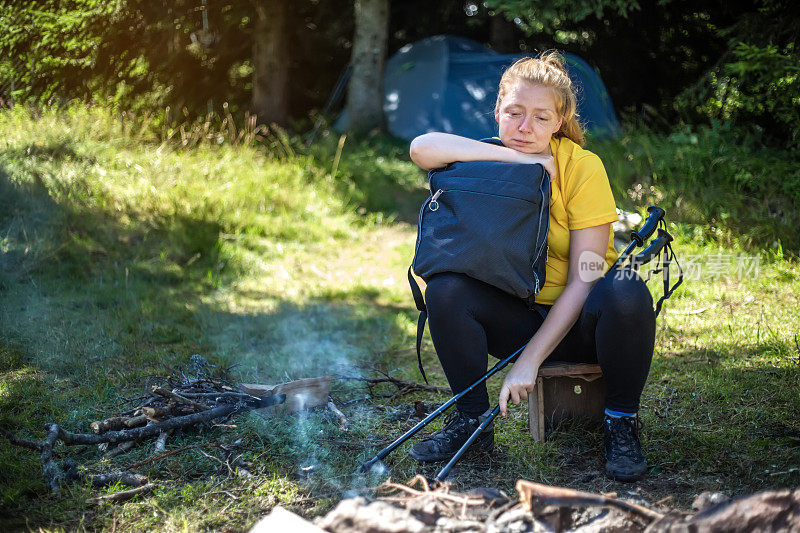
(560, 122)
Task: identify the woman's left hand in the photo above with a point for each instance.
(519, 382)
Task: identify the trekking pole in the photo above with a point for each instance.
(428, 419)
(653, 249)
(638, 237)
(446, 469)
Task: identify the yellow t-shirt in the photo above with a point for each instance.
(581, 198)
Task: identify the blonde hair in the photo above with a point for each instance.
(548, 70)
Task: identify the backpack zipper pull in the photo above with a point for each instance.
(433, 205)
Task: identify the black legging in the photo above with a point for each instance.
(616, 328)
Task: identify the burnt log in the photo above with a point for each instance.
(774, 510)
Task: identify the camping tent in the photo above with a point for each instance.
(446, 83)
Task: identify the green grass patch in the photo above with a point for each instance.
(120, 256)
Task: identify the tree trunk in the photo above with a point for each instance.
(504, 35)
(365, 91)
(270, 61)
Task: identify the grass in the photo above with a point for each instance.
(729, 187)
(120, 256)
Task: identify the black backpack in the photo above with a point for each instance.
(488, 220)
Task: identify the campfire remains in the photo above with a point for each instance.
(179, 404)
(176, 405)
(540, 508)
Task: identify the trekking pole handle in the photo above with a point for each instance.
(653, 249)
(650, 225)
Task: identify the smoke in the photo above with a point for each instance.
(291, 343)
(296, 342)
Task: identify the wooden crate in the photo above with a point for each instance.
(565, 392)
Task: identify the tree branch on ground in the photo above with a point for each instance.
(403, 386)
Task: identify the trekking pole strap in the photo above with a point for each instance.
(667, 258)
(660, 246)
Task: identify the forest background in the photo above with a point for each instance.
(684, 62)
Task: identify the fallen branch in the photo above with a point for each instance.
(161, 442)
(120, 476)
(156, 414)
(135, 421)
(121, 448)
(152, 430)
(117, 422)
(215, 395)
(54, 476)
(403, 386)
(441, 494)
(50, 469)
(564, 497)
(109, 424)
(25, 443)
(122, 496)
(343, 422)
(170, 407)
(161, 391)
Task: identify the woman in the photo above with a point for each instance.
(580, 315)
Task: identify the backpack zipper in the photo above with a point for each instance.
(419, 228)
(544, 243)
(433, 205)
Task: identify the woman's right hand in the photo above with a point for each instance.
(519, 382)
(546, 161)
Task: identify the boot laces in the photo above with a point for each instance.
(456, 426)
(623, 434)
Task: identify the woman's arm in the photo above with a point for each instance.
(435, 150)
(586, 247)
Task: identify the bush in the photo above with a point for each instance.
(737, 190)
(755, 85)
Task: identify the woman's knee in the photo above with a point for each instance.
(624, 293)
(446, 290)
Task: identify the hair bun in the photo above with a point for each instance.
(553, 58)
(548, 69)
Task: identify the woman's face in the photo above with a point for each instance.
(528, 117)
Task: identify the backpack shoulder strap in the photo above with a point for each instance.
(423, 317)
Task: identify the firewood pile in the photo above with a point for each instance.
(188, 399)
(176, 404)
(417, 507)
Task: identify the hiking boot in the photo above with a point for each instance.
(624, 458)
(443, 444)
